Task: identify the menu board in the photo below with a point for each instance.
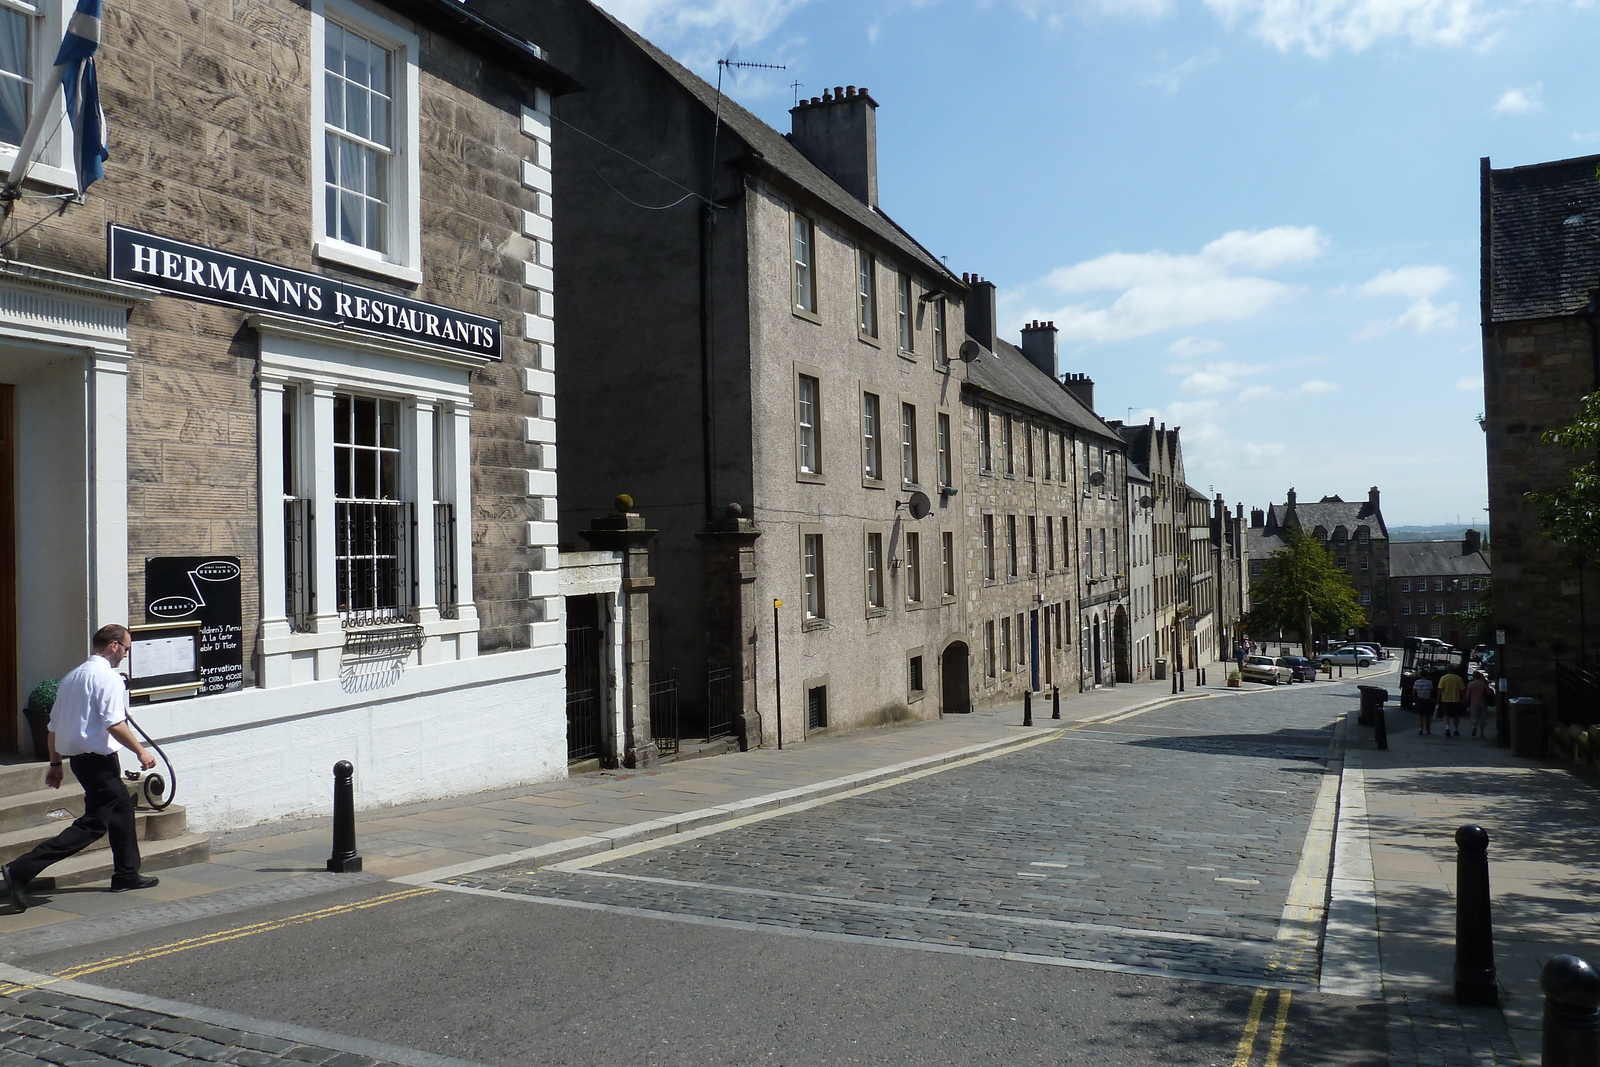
(165, 659)
(205, 590)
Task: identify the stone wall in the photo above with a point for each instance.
(209, 111)
(1535, 374)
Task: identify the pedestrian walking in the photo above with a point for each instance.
(89, 727)
(1422, 700)
(1452, 687)
(1479, 694)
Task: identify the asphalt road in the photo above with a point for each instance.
(1110, 896)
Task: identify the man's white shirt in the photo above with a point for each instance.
(90, 700)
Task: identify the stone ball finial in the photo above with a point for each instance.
(623, 503)
(735, 511)
(1570, 981)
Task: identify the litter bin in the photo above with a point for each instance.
(1527, 726)
(1372, 700)
(1161, 670)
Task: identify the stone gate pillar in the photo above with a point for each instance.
(625, 532)
(732, 614)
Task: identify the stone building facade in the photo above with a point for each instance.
(1158, 452)
(1355, 536)
(769, 369)
(1432, 582)
(1541, 273)
(1046, 546)
(324, 390)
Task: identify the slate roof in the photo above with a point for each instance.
(453, 20)
(1330, 513)
(1541, 238)
(774, 152)
(1258, 544)
(1007, 375)
(1408, 559)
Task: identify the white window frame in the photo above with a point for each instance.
(308, 366)
(866, 294)
(910, 473)
(52, 159)
(808, 434)
(913, 567)
(871, 437)
(908, 326)
(403, 261)
(873, 564)
(813, 574)
(803, 264)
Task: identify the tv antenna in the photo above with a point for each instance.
(795, 85)
(732, 64)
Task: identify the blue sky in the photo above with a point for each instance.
(1254, 219)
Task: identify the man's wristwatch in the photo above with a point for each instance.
(55, 763)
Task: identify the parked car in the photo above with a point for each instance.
(1348, 656)
(1264, 669)
(1378, 651)
(1304, 670)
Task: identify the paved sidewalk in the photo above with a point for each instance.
(1544, 873)
(550, 820)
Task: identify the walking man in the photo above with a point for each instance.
(1452, 687)
(1422, 700)
(89, 727)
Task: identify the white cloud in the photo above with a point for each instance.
(1319, 27)
(1412, 282)
(1161, 291)
(1252, 393)
(747, 21)
(1315, 386)
(1172, 79)
(1520, 101)
(1418, 284)
(1470, 385)
(1203, 382)
(1193, 347)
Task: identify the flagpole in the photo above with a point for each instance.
(30, 139)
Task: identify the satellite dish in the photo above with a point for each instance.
(969, 351)
(1145, 501)
(1097, 478)
(919, 505)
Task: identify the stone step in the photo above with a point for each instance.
(18, 778)
(165, 825)
(87, 868)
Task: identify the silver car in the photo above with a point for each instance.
(1263, 669)
(1349, 656)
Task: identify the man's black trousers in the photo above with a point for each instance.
(107, 809)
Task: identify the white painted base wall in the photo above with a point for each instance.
(440, 730)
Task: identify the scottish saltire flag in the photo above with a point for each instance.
(82, 92)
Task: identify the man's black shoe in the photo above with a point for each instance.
(138, 881)
(15, 890)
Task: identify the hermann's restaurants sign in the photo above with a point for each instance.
(237, 281)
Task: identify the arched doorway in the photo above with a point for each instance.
(1121, 645)
(954, 694)
(1099, 671)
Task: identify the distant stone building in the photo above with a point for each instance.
(1158, 453)
(1355, 536)
(1046, 576)
(1541, 356)
(1431, 582)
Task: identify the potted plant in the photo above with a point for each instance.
(37, 712)
(1235, 680)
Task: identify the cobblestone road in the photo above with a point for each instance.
(39, 1026)
(1166, 843)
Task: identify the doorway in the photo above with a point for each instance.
(585, 688)
(1122, 646)
(954, 695)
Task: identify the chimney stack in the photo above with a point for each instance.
(1471, 543)
(1039, 345)
(1372, 500)
(838, 131)
(1080, 386)
(980, 311)
(1258, 518)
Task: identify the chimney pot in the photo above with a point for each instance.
(849, 90)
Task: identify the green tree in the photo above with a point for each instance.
(1477, 622)
(1301, 591)
(1571, 514)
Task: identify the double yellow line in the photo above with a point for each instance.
(223, 936)
(1252, 1026)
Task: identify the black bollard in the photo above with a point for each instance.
(1380, 732)
(1055, 702)
(1475, 977)
(1027, 708)
(1175, 681)
(345, 859)
(1571, 1013)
